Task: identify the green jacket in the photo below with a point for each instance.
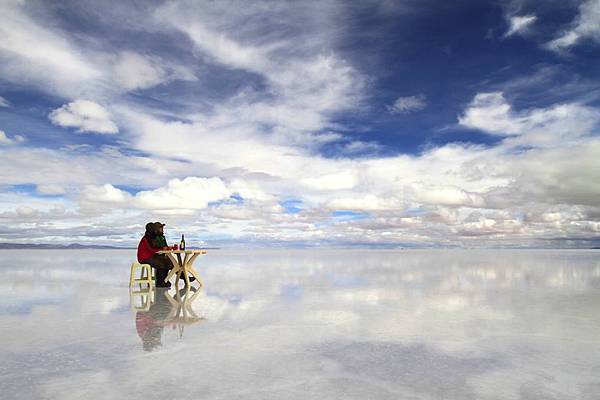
(159, 241)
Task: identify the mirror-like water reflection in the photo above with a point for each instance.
(157, 308)
(304, 324)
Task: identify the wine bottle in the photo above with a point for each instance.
(182, 243)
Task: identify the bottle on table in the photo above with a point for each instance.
(182, 243)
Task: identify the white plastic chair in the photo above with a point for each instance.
(146, 274)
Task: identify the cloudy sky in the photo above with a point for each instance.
(331, 123)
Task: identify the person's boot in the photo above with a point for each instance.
(163, 284)
(192, 279)
(161, 274)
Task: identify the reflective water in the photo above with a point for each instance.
(304, 325)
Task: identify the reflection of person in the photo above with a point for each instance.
(149, 324)
(153, 241)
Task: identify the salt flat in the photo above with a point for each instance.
(306, 324)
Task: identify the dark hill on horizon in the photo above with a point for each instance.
(72, 246)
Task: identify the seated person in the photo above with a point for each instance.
(147, 254)
(153, 241)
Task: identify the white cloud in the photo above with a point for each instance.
(491, 113)
(586, 25)
(132, 71)
(337, 181)
(250, 191)
(367, 202)
(38, 53)
(85, 167)
(106, 193)
(85, 115)
(456, 190)
(409, 104)
(305, 86)
(33, 53)
(519, 24)
(50, 189)
(5, 140)
(191, 193)
(4, 102)
(445, 195)
(359, 147)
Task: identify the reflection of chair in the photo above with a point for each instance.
(146, 274)
(146, 297)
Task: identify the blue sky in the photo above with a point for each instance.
(331, 123)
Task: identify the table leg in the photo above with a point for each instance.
(186, 277)
(190, 269)
(191, 260)
(177, 266)
(172, 272)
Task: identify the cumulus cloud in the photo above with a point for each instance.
(4, 102)
(409, 104)
(519, 24)
(338, 181)
(490, 112)
(105, 194)
(191, 193)
(446, 195)
(5, 140)
(585, 26)
(84, 115)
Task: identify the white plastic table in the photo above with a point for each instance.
(183, 265)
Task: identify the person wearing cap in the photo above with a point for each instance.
(159, 239)
(152, 242)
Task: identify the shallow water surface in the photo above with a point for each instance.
(304, 324)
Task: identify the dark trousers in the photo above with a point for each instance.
(162, 264)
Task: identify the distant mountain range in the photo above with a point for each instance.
(72, 246)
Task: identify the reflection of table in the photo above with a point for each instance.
(183, 265)
(151, 317)
(181, 313)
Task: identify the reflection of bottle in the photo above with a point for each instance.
(182, 243)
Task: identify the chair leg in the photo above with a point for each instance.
(132, 274)
(149, 273)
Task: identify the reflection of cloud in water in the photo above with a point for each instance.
(422, 369)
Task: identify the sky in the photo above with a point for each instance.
(375, 123)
